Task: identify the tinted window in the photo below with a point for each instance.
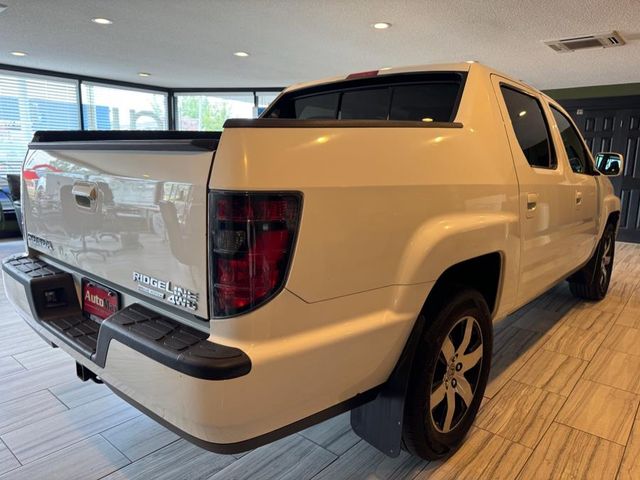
(369, 104)
(578, 158)
(530, 128)
(411, 97)
(418, 102)
(317, 106)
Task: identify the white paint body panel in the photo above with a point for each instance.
(149, 215)
(385, 212)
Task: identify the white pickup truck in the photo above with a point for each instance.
(347, 251)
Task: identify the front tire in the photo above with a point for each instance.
(592, 281)
(449, 375)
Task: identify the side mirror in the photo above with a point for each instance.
(609, 163)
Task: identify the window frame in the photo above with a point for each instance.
(553, 154)
(590, 163)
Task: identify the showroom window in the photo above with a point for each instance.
(106, 107)
(264, 100)
(29, 103)
(209, 111)
(576, 153)
(530, 127)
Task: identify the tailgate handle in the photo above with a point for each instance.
(85, 194)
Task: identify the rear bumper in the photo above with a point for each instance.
(168, 370)
(163, 339)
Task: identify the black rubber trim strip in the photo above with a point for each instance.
(143, 145)
(150, 140)
(95, 135)
(180, 347)
(250, 444)
(293, 123)
(171, 343)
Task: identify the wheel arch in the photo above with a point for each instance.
(380, 422)
(483, 273)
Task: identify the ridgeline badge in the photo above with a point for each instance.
(165, 290)
(36, 241)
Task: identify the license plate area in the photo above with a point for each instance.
(98, 301)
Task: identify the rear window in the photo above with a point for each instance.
(413, 97)
(320, 106)
(366, 104)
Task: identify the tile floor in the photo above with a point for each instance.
(562, 403)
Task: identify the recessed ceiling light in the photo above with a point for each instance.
(471, 61)
(241, 54)
(144, 74)
(381, 25)
(19, 54)
(384, 68)
(101, 21)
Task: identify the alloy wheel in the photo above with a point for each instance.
(605, 262)
(456, 375)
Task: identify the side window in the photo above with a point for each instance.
(578, 157)
(530, 127)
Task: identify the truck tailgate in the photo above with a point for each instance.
(129, 209)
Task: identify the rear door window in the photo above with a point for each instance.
(530, 127)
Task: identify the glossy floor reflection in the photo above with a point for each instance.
(562, 403)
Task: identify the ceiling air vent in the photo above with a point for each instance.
(602, 40)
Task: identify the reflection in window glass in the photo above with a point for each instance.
(116, 108)
(317, 107)
(29, 103)
(209, 111)
(422, 102)
(264, 100)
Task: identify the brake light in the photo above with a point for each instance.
(368, 74)
(252, 236)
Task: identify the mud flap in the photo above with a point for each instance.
(379, 422)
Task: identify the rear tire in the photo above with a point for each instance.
(448, 376)
(592, 281)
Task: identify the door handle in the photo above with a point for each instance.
(532, 204)
(85, 194)
(84, 190)
(578, 198)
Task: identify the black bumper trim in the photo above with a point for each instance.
(165, 340)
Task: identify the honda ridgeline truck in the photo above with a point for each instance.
(349, 250)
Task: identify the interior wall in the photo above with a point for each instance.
(597, 91)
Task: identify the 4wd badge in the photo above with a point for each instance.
(166, 290)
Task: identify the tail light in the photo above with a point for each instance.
(252, 237)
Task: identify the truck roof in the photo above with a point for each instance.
(440, 67)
